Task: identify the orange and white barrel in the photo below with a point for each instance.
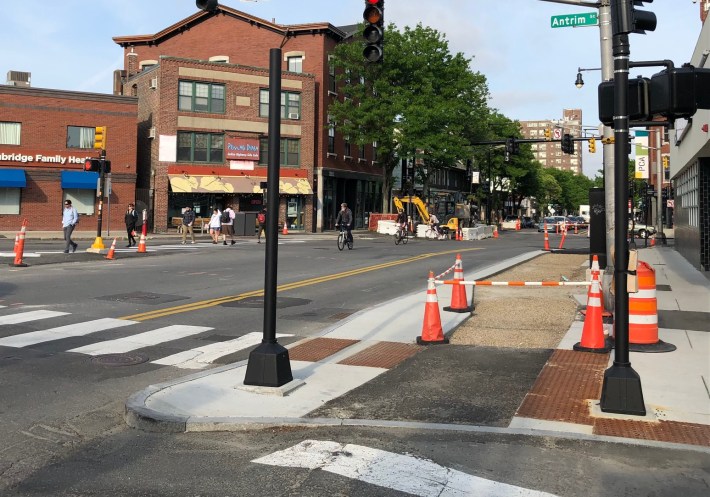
(643, 308)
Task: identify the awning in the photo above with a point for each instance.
(13, 178)
(80, 180)
(184, 183)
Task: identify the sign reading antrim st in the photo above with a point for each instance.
(242, 149)
(574, 20)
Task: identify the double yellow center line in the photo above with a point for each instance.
(204, 304)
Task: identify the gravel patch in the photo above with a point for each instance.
(526, 317)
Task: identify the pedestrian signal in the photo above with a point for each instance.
(92, 165)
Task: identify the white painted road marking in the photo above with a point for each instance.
(201, 357)
(71, 330)
(147, 339)
(24, 317)
(403, 473)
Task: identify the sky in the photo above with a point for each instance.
(530, 66)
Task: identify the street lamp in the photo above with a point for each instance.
(580, 82)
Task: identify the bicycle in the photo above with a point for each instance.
(342, 239)
(401, 236)
(433, 233)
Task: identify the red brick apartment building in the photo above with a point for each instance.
(45, 135)
(202, 87)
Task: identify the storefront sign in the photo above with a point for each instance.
(242, 149)
(40, 159)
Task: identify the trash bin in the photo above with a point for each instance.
(240, 224)
(250, 223)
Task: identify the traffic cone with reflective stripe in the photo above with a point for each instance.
(459, 302)
(111, 251)
(432, 332)
(593, 330)
(19, 252)
(141, 244)
(495, 231)
(17, 242)
(547, 239)
(285, 230)
(643, 314)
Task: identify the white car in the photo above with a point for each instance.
(642, 230)
(510, 222)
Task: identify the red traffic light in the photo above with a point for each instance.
(92, 165)
(373, 32)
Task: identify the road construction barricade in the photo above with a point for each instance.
(477, 233)
(513, 283)
(387, 227)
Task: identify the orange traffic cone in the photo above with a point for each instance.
(495, 231)
(562, 241)
(576, 230)
(459, 302)
(20, 250)
(17, 243)
(517, 225)
(141, 244)
(110, 256)
(547, 239)
(593, 330)
(595, 270)
(432, 332)
(285, 230)
(653, 241)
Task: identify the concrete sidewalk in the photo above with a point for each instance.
(674, 384)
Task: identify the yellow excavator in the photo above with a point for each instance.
(461, 212)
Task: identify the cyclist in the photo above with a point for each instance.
(434, 223)
(401, 221)
(345, 217)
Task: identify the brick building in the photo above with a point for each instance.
(203, 82)
(550, 154)
(45, 135)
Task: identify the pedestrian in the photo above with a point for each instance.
(261, 219)
(228, 216)
(69, 219)
(131, 218)
(188, 220)
(215, 224)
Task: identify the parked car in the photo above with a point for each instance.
(528, 222)
(641, 230)
(510, 222)
(576, 220)
(551, 223)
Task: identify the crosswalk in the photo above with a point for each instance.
(194, 358)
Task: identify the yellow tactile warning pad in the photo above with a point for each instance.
(569, 378)
(382, 355)
(318, 349)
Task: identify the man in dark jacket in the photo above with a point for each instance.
(345, 217)
(188, 222)
(131, 218)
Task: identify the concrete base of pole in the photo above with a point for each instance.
(98, 244)
(621, 391)
(268, 366)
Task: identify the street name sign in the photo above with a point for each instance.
(574, 20)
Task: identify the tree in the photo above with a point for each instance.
(422, 103)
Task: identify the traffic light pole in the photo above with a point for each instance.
(621, 389)
(98, 244)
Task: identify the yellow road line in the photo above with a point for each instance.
(204, 304)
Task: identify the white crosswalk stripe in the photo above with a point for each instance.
(201, 357)
(147, 339)
(71, 330)
(25, 317)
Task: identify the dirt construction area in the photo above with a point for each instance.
(526, 317)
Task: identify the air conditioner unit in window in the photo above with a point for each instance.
(151, 132)
(294, 115)
(153, 83)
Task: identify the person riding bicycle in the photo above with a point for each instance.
(345, 218)
(434, 223)
(401, 220)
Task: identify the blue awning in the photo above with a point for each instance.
(80, 180)
(13, 178)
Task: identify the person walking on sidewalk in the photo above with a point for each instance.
(228, 216)
(188, 221)
(131, 218)
(215, 224)
(69, 219)
(261, 219)
(345, 217)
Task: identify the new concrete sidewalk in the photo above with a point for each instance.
(674, 384)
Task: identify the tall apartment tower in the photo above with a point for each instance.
(550, 154)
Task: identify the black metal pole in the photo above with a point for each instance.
(490, 190)
(269, 364)
(621, 389)
(102, 176)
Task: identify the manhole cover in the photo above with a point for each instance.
(114, 360)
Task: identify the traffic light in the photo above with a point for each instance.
(567, 144)
(666, 162)
(516, 147)
(100, 137)
(548, 135)
(374, 32)
(592, 145)
(92, 165)
(626, 19)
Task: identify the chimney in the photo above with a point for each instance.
(18, 78)
(132, 63)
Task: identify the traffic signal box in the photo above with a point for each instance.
(374, 32)
(94, 165)
(100, 137)
(567, 144)
(548, 135)
(592, 145)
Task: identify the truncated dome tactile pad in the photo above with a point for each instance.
(384, 355)
(318, 349)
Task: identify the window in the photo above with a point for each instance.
(9, 200)
(361, 152)
(290, 104)
(374, 151)
(295, 64)
(10, 133)
(82, 200)
(80, 137)
(290, 151)
(331, 74)
(347, 147)
(331, 135)
(200, 147)
(201, 97)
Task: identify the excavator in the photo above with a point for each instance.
(460, 216)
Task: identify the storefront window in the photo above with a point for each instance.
(294, 213)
